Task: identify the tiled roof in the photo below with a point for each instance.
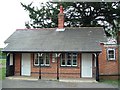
(83, 39)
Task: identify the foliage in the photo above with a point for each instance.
(2, 73)
(77, 14)
(2, 55)
(3, 69)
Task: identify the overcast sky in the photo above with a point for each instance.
(12, 17)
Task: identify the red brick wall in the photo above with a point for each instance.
(71, 72)
(34, 70)
(46, 72)
(17, 63)
(51, 71)
(108, 67)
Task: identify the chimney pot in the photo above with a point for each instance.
(61, 9)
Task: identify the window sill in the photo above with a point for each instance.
(69, 66)
(111, 60)
(42, 66)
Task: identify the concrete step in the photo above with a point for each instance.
(22, 78)
(78, 80)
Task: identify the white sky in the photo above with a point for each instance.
(13, 16)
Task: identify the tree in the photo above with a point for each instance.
(77, 14)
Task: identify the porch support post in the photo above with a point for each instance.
(57, 68)
(7, 64)
(39, 67)
(97, 67)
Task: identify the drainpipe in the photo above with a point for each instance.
(97, 67)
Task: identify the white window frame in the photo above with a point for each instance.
(62, 59)
(76, 59)
(35, 58)
(53, 57)
(108, 53)
(44, 59)
(66, 59)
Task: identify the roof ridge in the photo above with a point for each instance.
(55, 28)
(37, 29)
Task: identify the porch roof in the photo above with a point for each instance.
(83, 39)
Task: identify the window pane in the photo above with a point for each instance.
(53, 57)
(69, 59)
(74, 62)
(63, 59)
(47, 61)
(68, 62)
(63, 62)
(74, 59)
(36, 62)
(47, 58)
(74, 55)
(41, 60)
(69, 55)
(111, 54)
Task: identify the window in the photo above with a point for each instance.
(41, 58)
(111, 54)
(69, 59)
(74, 60)
(47, 59)
(44, 59)
(53, 57)
(36, 61)
(63, 63)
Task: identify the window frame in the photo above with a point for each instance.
(53, 57)
(66, 59)
(44, 59)
(73, 59)
(108, 55)
(61, 59)
(35, 58)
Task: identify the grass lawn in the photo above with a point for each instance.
(2, 73)
(112, 82)
(3, 62)
(2, 70)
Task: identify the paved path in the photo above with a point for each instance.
(51, 84)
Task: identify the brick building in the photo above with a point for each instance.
(108, 60)
(74, 52)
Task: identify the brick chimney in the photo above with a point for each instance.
(61, 20)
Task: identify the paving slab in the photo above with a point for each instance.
(10, 83)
